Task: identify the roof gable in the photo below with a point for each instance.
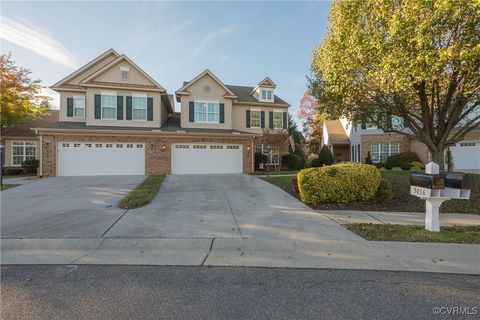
(107, 74)
(267, 82)
(74, 78)
(184, 90)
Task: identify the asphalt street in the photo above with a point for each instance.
(155, 292)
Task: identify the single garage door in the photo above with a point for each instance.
(466, 155)
(94, 159)
(206, 158)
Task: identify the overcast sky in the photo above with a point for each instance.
(241, 42)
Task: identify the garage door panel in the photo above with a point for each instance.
(80, 159)
(206, 158)
(466, 155)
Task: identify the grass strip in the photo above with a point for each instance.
(143, 194)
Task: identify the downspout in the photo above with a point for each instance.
(253, 157)
(40, 154)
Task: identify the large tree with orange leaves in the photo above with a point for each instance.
(20, 96)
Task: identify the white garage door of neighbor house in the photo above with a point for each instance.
(206, 158)
(466, 155)
(95, 158)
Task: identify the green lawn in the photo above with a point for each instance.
(7, 186)
(402, 200)
(396, 232)
(143, 194)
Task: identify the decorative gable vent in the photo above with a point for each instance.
(125, 73)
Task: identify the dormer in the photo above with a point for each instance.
(264, 91)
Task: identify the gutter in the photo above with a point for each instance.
(155, 132)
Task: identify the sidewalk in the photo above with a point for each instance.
(413, 218)
(330, 254)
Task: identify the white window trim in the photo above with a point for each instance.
(207, 102)
(140, 95)
(24, 153)
(259, 118)
(260, 97)
(107, 93)
(379, 152)
(273, 124)
(84, 106)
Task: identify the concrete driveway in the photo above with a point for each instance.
(226, 206)
(64, 207)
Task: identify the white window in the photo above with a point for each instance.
(255, 118)
(381, 151)
(266, 95)
(79, 107)
(22, 151)
(109, 106)
(277, 120)
(271, 151)
(139, 107)
(207, 112)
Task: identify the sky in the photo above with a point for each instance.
(240, 42)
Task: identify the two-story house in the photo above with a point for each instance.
(350, 142)
(116, 120)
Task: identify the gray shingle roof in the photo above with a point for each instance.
(243, 93)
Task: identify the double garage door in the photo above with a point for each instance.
(94, 158)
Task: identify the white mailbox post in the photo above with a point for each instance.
(434, 197)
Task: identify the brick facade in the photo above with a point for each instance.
(406, 144)
(157, 149)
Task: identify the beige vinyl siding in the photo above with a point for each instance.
(240, 120)
(63, 106)
(114, 75)
(215, 94)
(97, 66)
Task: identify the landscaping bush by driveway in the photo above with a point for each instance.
(401, 200)
(340, 183)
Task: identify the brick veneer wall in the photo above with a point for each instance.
(157, 149)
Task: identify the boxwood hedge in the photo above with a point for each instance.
(340, 183)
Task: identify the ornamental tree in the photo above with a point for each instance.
(312, 121)
(413, 62)
(20, 96)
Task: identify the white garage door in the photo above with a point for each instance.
(94, 158)
(206, 158)
(466, 155)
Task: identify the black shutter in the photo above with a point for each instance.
(129, 108)
(149, 109)
(262, 119)
(270, 118)
(98, 106)
(69, 107)
(248, 118)
(191, 111)
(222, 113)
(119, 107)
(285, 120)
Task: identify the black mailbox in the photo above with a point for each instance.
(429, 181)
(460, 181)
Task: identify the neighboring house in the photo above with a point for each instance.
(21, 142)
(116, 120)
(350, 142)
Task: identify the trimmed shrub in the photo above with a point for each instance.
(260, 158)
(13, 171)
(399, 160)
(339, 183)
(325, 156)
(292, 161)
(30, 166)
(380, 165)
(316, 162)
(384, 192)
(368, 159)
(417, 165)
